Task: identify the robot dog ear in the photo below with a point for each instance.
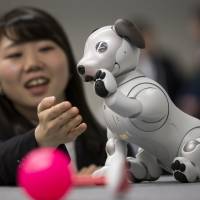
(129, 31)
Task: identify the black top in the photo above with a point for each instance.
(17, 138)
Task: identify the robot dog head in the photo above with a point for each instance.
(115, 48)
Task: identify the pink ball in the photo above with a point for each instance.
(44, 173)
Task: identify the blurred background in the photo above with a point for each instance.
(167, 21)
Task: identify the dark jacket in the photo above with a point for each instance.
(17, 139)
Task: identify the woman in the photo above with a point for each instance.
(42, 101)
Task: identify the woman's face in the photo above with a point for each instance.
(31, 71)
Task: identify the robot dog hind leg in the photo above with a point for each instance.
(187, 167)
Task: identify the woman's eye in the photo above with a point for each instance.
(47, 48)
(14, 55)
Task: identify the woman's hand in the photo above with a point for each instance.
(87, 171)
(58, 123)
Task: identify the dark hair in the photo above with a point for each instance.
(26, 24)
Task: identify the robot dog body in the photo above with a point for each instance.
(138, 110)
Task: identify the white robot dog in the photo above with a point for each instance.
(138, 110)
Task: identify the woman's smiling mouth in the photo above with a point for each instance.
(37, 86)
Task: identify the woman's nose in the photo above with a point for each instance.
(33, 63)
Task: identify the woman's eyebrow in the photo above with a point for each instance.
(17, 43)
(14, 44)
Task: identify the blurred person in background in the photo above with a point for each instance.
(157, 63)
(189, 98)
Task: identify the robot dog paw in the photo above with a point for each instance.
(105, 83)
(184, 170)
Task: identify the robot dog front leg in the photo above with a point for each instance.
(115, 169)
(106, 87)
(124, 106)
(116, 150)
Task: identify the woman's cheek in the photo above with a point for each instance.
(62, 73)
(59, 64)
(9, 72)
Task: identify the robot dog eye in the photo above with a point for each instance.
(101, 47)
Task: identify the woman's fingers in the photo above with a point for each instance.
(79, 129)
(72, 123)
(91, 169)
(58, 123)
(65, 117)
(87, 170)
(75, 132)
(57, 110)
(46, 103)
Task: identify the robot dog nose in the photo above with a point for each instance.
(81, 69)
